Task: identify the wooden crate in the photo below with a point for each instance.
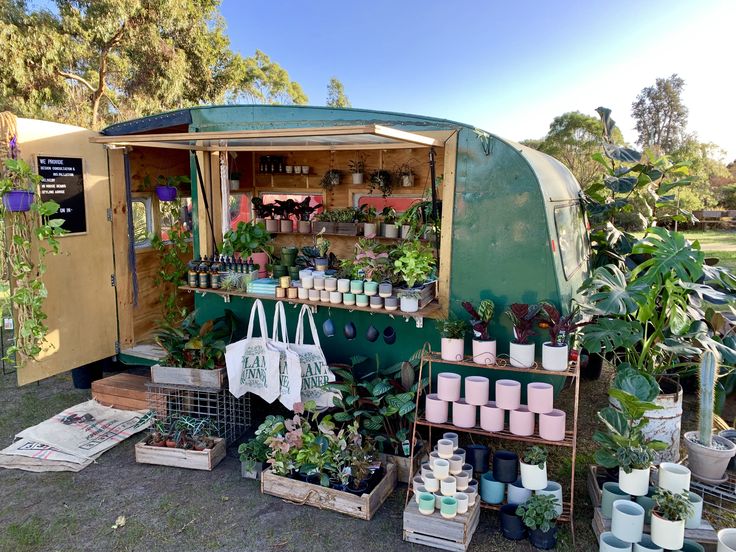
(428, 293)
(346, 229)
(193, 377)
(438, 532)
(403, 464)
(179, 458)
(123, 391)
(705, 534)
(324, 498)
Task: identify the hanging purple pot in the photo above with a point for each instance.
(166, 193)
(18, 201)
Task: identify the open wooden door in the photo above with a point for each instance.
(81, 309)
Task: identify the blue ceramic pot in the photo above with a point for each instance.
(491, 491)
(328, 328)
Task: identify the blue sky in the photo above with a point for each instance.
(507, 67)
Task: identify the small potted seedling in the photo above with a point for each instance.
(668, 518)
(555, 352)
(534, 468)
(539, 515)
(331, 179)
(322, 245)
(390, 230)
(484, 348)
(523, 316)
(357, 169)
(453, 338)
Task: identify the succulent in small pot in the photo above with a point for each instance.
(708, 454)
(331, 179)
(357, 169)
(534, 468)
(555, 352)
(453, 338)
(383, 181)
(539, 514)
(668, 518)
(523, 317)
(484, 348)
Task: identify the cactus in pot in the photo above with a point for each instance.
(708, 454)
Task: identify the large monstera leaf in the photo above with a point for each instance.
(609, 334)
(669, 252)
(606, 293)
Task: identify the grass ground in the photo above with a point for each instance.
(717, 243)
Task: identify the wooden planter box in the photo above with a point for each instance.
(180, 458)
(193, 377)
(428, 293)
(346, 228)
(317, 226)
(438, 532)
(403, 464)
(324, 498)
(255, 473)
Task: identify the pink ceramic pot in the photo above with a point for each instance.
(491, 417)
(476, 390)
(484, 352)
(435, 409)
(540, 397)
(452, 349)
(261, 259)
(552, 425)
(521, 421)
(508, 394)
(448, 386)
(464, 414)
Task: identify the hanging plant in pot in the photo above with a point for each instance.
(357, 169)
(539, 515)
(383, 181)
(708, 454)
(331, 180)
(18, 184)
(484, 348)
(668, 518)
(453, 338)
(555, 352)
(167, 187)
(533, 467)
(523, 316)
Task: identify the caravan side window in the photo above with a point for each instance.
(571, 238)
(142, 221)
(175, 213)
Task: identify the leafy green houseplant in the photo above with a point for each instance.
(357, 169)
(484, 348)
(414, 262)
(668, 518)
(194, 345)
(523, 317)
(27, 231)
(331, 179)
(453, 333)
(555, 352)
(382, 181)
(539, 514)
(249, 240)
(254, 453)
(534, 468)
(371, 260)
(388, 226)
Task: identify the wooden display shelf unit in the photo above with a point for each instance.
(428, 358)
(181, 458)
(435, 531)
(326, 498)
(353, 236)
(432, 310)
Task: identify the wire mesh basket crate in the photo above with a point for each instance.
(230, 415)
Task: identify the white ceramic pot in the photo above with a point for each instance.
(462, 503)
(303, 293)
(448, 486)
(521, 356)
(448, 386)
(477, 389)
(431, 483)
(484, 352)
(357, 179)
(390, 231)
(335, 297)
(627, 523)
(234, 185)
(517, 494)
(674, 477)
(446, 448)
(554, 359)
(409, 304)
(609, 543)
(727, 540)
(553, 489)
(491, 417)
(635, 483)
(370, 229)
(667, 534)
(456, 464)
(693, 522)
(441, 469)
(454, 437)
(452, 349)
(533, 477)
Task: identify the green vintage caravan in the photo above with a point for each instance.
(512, 226)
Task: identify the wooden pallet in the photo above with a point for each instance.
(179, 458)
(325, 498)
(438, 532)
(705, 534)
(123, 391)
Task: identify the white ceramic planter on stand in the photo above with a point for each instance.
(693, 522)
(673, 477)
(635, 483)
(667, 534)
(554, 359)
(533, 477)
(521, 356)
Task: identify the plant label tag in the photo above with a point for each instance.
(8, 324)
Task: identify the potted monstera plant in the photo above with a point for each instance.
(484, 348)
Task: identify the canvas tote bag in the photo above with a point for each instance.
(290, 371)
(252, 365)
(314, 370)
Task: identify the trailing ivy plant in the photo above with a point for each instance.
(30, 236)
(172, 267)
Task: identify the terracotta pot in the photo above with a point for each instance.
(491, 417)
(476, 390)
(521, 421)
(521, 356)
(540, 397)
(554, 359)
(448, 386)
(452, 349)
(484, 352)
(435, 409)
(508, 394)
(706, 463)
(463, 414)
(552, 425)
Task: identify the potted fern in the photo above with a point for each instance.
(539, 514)
(484, 348)
(668, 518)
(453, 338)
(523, 316)
(708, 454)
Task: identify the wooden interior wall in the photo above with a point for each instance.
(154, 162)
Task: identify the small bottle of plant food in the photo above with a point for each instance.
(192, 276)
(251, 266)
(215, 276)
(203, 274)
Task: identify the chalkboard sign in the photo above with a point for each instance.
(63, 182)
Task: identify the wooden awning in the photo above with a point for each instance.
(293, 139)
